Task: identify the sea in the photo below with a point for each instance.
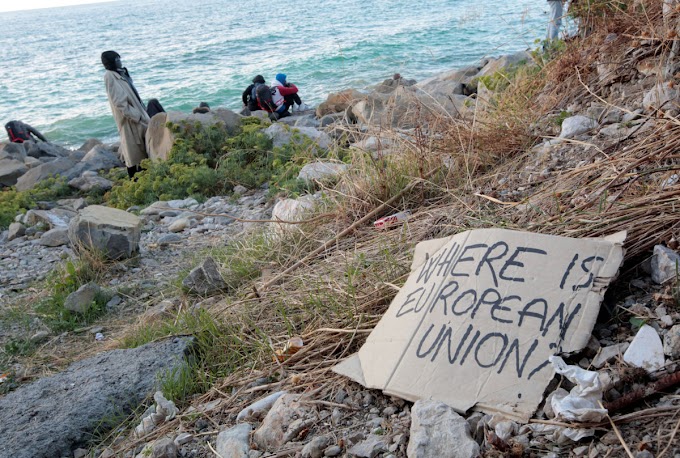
(184, 52)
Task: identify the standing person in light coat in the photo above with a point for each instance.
(128, 111)
(555, 20)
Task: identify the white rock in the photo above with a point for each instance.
(646, 350)
(576, 125)
(437, 430)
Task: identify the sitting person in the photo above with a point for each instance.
(19, 132)
(249, 96)
(202, 108)
(285, 95)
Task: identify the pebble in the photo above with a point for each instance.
(333, 450)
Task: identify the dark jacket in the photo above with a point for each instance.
(248, 100)
(19, 132)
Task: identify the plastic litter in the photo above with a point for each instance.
(293, 345)
(387, 221)
(582, 402)
(99, 337)
(3, 378)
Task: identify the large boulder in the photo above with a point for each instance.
(116, 233)
(283, 135)
(437, 430)
(160, 138)
(449, 82)
(57, 217)
(13, 151)
(55, 237)
(100, 158)
(321, 171)
(62, 166)
(89, 144)
(45, 150)
(506, 62)
(54, 415)
(338, 102)
(406, 107)
(89, 181)
(10, 171)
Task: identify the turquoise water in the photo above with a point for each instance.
(187, 51)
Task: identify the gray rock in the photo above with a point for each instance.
(13, 151)
(10, 171)
(183, 438)
(168, 239)
(100, 158)
(315, 448)
(59, 167)
(671, 342)
(372, 446)
(89, 144)
(333, 450)
(115, 233)
(281, 424)
(437, 430)
(115, 300)
(15, 230)
(81, 300)
(179, 225)
(662, 96)
(32, 162)
(281, 135)
(55, 237)
(44, 149)
(321, 170)
(665, 264)
(161, 448)
(40, 336)
(58, 217)
(504, 62)
(204, 279)
(577, 125)
(52, 416)
(234, 442)
(89, 181)
(238, 189)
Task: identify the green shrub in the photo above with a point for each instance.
(207, 161)
(13, 202)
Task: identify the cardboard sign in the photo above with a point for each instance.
(480, 315)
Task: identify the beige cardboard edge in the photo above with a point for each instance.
(351, 367)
